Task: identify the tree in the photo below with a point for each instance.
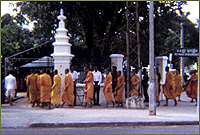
(191, 36)
(88, 24)
(100, 26)
(13, 38)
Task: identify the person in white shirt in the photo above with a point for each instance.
(97, 80)
(74, 76)
(10, 86)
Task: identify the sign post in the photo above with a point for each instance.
(189, 52)
(152, 86)
(186, 52)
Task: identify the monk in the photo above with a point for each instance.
(135, 84)
(38, 90)
(55, 93)
(178, 85)
(89, 92)
(157, 92)
(191, 87)
(169, 87)
(31, 82)
(27, 91)
(38, 85)
(118, 94)
(45, 89)
(68, 93)
(107, 90)
(191, 74)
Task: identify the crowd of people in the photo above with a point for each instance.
(42, 92)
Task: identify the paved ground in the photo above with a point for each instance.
(187, 129)
(23, 115)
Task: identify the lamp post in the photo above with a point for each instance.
(127, 49)
(182, 59)
(181, 46)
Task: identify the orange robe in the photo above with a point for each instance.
(118, 94)
(38, 89)
(45, 88)
(135, 85)
(178, 84)
(192, 86)
(27, 91)
(55, 94)
(31, 82)
(68, 95)
(107, 90)
(157, 93)
(169, 83)
(89, 87)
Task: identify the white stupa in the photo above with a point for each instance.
(62, 49)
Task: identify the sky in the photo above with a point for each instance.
(193, 7)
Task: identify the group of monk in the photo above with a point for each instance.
(107, 90)
(39, 88)
(42, 92)
(173, 86)
(191, 86)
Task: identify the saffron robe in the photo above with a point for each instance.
(168, 87)
(192, 86)
(107, 90)
(68, 90)
(38, 89)
(32, 87)
(135, 85)
(118, 94)
(89, 87)
(55, 93)
(157, 92)
(178, 84)
(45, 88)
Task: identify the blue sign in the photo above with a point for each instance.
(186, 52)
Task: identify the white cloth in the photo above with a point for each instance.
(97, 76)
(138, 74)
(10, 82)
(74, 75)
(10, 92)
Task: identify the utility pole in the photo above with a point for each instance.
(152, 86)
(133, 43)
(181, 38)
(138, 48)
(127, 49)
(141, 103)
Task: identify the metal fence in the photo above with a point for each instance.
(82, 77)
(101, 63)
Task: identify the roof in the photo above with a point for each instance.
(31, 54)
(39, 51)
(42, 62)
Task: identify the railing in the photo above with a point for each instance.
(82, 76)
(101, 63)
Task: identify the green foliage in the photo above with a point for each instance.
(86, 21)
(100, 26)
(13, 38)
